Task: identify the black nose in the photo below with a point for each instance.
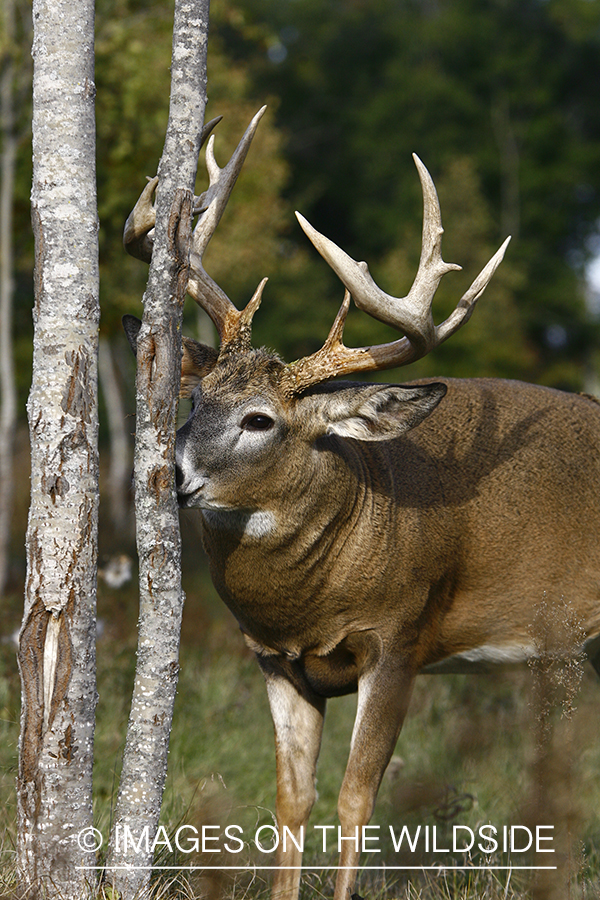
(178, 477)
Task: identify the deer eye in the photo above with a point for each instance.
(257, 422)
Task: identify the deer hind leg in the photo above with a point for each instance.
(383, 698)
(298, 724)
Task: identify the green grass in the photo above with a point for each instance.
(467, 755)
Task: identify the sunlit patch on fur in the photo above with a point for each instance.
(482, 658)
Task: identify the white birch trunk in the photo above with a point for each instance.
(8, 394)
(57, 642)
(158, 539)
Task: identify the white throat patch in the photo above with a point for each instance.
(252, 524)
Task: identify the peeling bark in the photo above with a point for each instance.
(157, 528)
(57, 641)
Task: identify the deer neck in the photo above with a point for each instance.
(268, 564)
(307, 500)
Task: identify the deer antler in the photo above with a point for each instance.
(233, 325)
(138, 237)
(138, 233)
(411, 314)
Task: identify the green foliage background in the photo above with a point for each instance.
(498, 97)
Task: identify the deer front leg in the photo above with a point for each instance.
(298, 723)
(383, 698)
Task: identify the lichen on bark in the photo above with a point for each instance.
(157, 522)
(57, 640)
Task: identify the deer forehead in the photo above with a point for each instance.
(242, 379)
(238, 373)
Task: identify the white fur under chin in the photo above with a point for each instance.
(252, 524)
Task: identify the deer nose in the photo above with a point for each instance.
(183, 484)
(188, 484)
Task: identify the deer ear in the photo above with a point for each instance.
(197, 360)
(376, 413)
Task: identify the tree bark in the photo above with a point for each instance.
(157, 522)
(8, 394)
(57, 641)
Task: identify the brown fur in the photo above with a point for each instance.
(388, 557)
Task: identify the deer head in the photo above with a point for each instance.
(263, 399)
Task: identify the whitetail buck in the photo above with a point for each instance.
(363, 533)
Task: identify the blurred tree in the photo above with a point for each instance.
(15, 88)
(509, 83)
(15, 43)
(9, 48)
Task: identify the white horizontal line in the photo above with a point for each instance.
(438, 868)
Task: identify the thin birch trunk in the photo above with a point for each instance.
(158, 539)
(57, 641)
(8, 394)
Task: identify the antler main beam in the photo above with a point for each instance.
(232, 324)
(411, 314)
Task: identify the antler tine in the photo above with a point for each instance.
(466, 304)
(210, 207)
(411, 314)
(432, 267)
(137, 239)
(138, 234)
(221, 181)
